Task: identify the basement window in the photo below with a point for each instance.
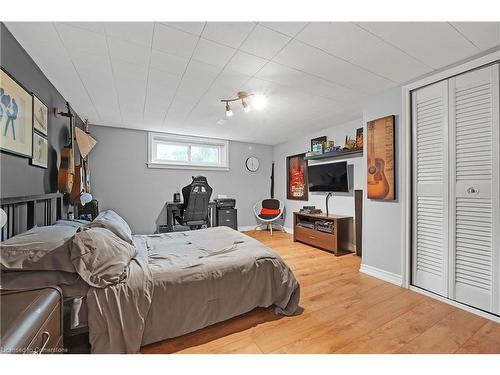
(187, 152)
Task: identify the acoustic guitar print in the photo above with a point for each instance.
(378, 186)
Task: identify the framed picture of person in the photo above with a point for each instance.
(40, 116)
(16, 117)
(40, 151)
(296, 176)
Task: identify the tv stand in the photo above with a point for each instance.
(338, 241)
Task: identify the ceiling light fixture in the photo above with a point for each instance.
(245, 105)
(259, 101)
(229, 112)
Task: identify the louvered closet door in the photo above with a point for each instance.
(430, 200)
(474, 204)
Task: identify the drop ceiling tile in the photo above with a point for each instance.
(34, 32)
(162, 85)
(231, 34)
(436, 44)
(130, 82)
(202, 72)
(96, 27)
(227, 84)
(173, 41)
(90, 65)
(304, 82)
(134, 53)
(136, 32)
(316, 62)
(213, 53)
(264, 42)
(288, 28)
(77, 40)
(168, 62)
(485, 35)
(190, 27)
(245, 63)
(350, 42)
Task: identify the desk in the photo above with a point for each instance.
(173, 208)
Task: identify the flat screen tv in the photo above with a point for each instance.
(331, 177)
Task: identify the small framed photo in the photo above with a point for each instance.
(317, 144)
(40, 151)
(40, 116)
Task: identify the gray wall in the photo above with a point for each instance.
(340, 203)
(382, 221)
(17, 176)
(121, 180)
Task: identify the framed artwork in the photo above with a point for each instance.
(296, 177)
(40, 151)
(359, 138)
(40, 116)
(317, 144)
(380, 168)
(16, 117)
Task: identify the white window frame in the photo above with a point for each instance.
(189, 141)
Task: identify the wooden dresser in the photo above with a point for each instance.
(338, 241)
(31, 321)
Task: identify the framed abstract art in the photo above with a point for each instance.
(296, 176)
(16, 117)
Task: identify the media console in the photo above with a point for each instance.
(332, 233)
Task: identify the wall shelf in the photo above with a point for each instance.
(337, 154)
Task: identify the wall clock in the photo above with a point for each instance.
(252, 164)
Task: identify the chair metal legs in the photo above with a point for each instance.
(269, 227)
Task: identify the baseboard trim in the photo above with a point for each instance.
(453, 303)
(381, 274)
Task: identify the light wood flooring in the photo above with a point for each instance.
(345, 311)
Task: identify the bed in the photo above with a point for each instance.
(175, 283)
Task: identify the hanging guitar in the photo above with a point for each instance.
(66, 173)
(378, 186)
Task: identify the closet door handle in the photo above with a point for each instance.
(472, 190)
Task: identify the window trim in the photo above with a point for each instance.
(190, 141)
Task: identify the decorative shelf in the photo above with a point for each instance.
(337, 154)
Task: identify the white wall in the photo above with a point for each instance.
(340, 203)
(122, 182)
(382, 220)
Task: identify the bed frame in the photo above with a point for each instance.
(23, 213)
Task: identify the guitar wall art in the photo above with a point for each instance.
(380, 167)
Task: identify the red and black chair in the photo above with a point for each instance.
(267, 212)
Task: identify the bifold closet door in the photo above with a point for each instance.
(430, 199)
(474, 189)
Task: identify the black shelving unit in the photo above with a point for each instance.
(337, 154)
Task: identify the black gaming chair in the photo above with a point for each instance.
(195, 209)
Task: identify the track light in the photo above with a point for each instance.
(229, 112)
(259, 102)
(245, 105)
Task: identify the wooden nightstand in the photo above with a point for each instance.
(31, 321)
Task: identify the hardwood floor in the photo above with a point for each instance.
(344, 312)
